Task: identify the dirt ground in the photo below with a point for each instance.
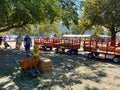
(70, 72)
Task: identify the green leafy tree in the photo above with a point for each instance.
(28, 29)
(98, 29)
(19, 13)
(80, 28)
(104, 13)
(47, 29)
(83, 26)
(68, 13)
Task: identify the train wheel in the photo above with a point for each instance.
(56, 50)
(50, 48)
(69, 52)
(75, 51)
(90, 55)
(116, 59)
(63, 50)
(44, 48)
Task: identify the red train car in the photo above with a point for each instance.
(105, 49)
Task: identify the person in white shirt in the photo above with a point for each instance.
(19, 42)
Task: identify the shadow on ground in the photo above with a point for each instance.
(68, 70)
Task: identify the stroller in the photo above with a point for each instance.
(6, 45)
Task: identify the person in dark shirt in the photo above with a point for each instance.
(27, 43)
(0, 40)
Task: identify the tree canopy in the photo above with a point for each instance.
(104, 13)
(44, 28)
(47, 29)
(19, 13)
(82, 27)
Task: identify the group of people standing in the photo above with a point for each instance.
(27, 42)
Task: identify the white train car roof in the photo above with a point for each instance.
(78, 36)
(83, 36)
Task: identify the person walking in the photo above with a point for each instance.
(27, 44)
(19, 42)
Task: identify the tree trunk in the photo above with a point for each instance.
(113, 35)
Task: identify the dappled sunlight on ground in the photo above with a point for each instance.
(70, 72)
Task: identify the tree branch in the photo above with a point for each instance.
(117, 30)
(12, 26)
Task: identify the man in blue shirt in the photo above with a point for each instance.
(27, 43)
